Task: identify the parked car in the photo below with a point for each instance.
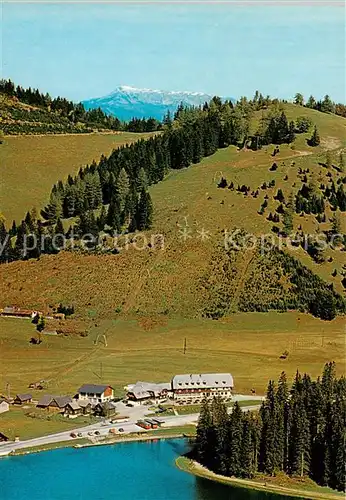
(80, 434)
(121, 429)
(130, 404)
(73, 435)
(90, 433)
(97, 433)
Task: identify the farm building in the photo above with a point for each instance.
(86, 406)
(107, 409)
(17, 312)
(72, 409)
(141, 392)
(55, 402)
(76, 408)
(96, 393)
(22, 398)
(193, 388)
(4, 406)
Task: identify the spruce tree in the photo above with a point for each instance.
(315, 138)
(102, 218)
(114, 213)
(247, 448)
(220, 422)
(282, 422)
(5, 244)
(234, 465)
(123, 188)
(299, 439)
(204, 436)
(144, 211)
(59, 238)
(53, 210)
(268, 455)
(20, 251)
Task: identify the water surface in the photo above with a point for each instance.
(125, 471)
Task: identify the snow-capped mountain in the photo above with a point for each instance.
(128, 102)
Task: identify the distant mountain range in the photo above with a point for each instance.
(127, 102)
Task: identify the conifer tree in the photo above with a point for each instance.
(13, 230)
(123, 188)
(53, 210)
(114, 213)
(144, 211)
(282, 422)
(220, 422)
(5, 244)
(20, 251)
(102, 218)
(204, 435)
(299, 99)
(329, 162)
(299, 439)
(268, 412)
(315, 138)
(247, 448)
(234, 465)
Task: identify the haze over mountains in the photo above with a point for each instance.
(127, 102)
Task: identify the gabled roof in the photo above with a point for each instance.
(93, 388)
(202, 380)
(24, 397)
(62, 401)
(108, 405)
(142, 390)
(45, 400)
(74, 405)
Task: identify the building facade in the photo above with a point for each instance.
(142, 392)
(193, 388)
(95, 393)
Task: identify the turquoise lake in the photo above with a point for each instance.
(126, 471)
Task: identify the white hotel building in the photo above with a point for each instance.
(192, 389)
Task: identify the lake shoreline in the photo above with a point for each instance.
(88, 444)
(192, 467)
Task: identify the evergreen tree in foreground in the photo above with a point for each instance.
(300, 431)
(315, 138)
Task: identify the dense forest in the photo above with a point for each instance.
(325, 105)
(299, 431)
(117, 185)
(59, 115)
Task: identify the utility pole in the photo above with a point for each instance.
(8, 389)
(184, 346)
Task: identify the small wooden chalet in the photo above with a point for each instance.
(22, 398)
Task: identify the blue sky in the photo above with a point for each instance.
(86, 50)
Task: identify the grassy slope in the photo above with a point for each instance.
(30, 165)
(162, 287)
(167, 281)
(248, 345)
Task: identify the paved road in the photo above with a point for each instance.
(135, 413)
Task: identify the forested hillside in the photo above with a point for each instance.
(29, 111)
(261, 166)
